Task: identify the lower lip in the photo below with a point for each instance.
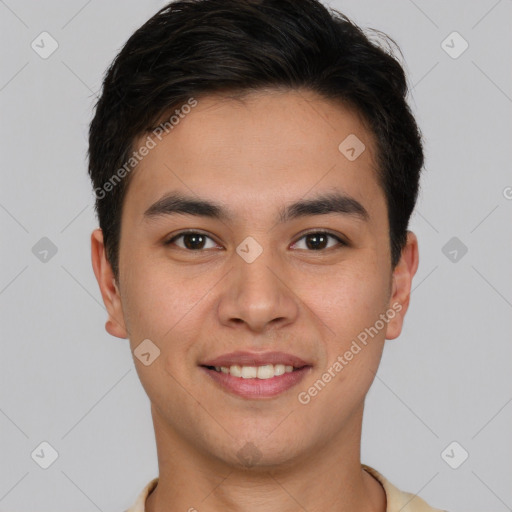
(258, 388)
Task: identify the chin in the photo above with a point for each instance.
(263, 454)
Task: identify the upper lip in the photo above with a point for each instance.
(244, 358)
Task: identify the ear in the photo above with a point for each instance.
(109, 291)
(401, 285)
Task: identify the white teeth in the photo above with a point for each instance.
(266, 371)
(235, 370)
(279, 369)
(249, 372)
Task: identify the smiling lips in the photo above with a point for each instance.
(256, 375)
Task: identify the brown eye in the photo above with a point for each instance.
(192, 240)
(319, 240)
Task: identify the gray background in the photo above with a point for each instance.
(67, 382)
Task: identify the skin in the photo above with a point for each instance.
(256, 156)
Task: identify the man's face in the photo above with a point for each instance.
(255, 282)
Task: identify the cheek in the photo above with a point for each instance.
(166, 307)
(348, 302)
(351, 304)
(157, 307)
(153, 302)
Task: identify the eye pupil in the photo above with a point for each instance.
(316, 237)
(194, 244)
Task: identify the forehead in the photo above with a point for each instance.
(264, 147)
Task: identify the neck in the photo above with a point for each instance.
(329, 477)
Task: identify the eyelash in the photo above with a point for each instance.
(341, 242)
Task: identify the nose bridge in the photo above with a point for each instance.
(257, 293)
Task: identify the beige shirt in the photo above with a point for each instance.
(397, 501)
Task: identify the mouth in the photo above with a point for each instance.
(256, 375)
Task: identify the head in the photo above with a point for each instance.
(286, 131)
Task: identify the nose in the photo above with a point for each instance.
(257, 295)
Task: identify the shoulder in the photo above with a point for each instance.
(140, 502)
(397, 500)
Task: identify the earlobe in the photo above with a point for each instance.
(104, 275)
(401, 286)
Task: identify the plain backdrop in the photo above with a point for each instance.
(443, 391)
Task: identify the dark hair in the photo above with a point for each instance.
(199, 47)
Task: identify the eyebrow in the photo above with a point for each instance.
(177, 203)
